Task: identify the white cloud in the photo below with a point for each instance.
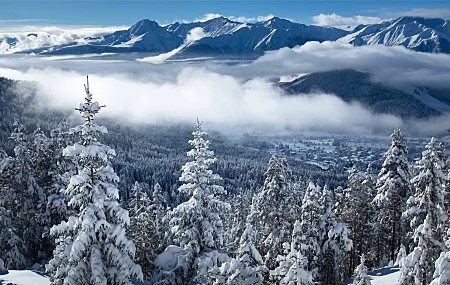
(207, 17)
(237, 94)
(242, 19)
(195, 34)
(34, 37)
(395, 66)
(198, 92)
(428, 13)
(334, 20)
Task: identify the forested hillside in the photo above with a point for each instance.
(355, 86)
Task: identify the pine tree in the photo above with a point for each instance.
(354, 212)
(158, 210)
(92, 247)
(275, 211)
(442, 272)
(248, 266)
(393, 188)
(427, 213)
(143, 230)
(196, 225)
(371, 225)
(293, 267)
(361, 277)
(309, 226)
(334, 242)
(23, 200)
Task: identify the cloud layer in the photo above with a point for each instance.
(33, 37)
(238, 94)
(346, 23)
(242, 19)
(428, 13)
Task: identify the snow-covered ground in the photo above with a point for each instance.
(383, 276)
(24, 277)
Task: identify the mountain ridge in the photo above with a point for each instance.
(224, 37)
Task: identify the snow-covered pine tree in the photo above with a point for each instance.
(158, 210)
(353, 210)
(393, 189)
(12, 248)
(309, 227)
(248, 266)
(61, 169)
(427, 214)
(92, 247)
(334, 242)
(361, 277)
(142, 230)
(23, 200)
(371, 223)
(196, 224)
(442, 272)
(293, 267)
(275, 211)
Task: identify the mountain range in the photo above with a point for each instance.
(224, 37)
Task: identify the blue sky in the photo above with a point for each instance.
(107, 13)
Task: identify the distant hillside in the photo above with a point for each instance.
(351, 85)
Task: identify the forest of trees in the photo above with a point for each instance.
(62, 209)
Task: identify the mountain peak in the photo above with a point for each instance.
(278, 23)
(143, 26)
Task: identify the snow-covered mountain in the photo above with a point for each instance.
(223, 37)
(230, 38)
(420, 34)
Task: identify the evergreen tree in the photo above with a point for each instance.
(158, 210)
(142, 230)
(360, 277)
(442, 272)
(92, 247)
(354, 212)
(393, 188)
(248, 266)
(427, 213)
(370, 243)
(196, 225)
(309, 227)
(23, 200)
(275, 211)
(334, 242)
(293, 267)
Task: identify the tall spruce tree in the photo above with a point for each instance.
(309, 226)
(427, 214)
(393, 189)
(353, 211)
(334, 243)
(442, 272)
(274, 211)
(143, 230)
(92, 247)
(293, 266)
(196, 224)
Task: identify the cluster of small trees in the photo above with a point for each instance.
(59, 207)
